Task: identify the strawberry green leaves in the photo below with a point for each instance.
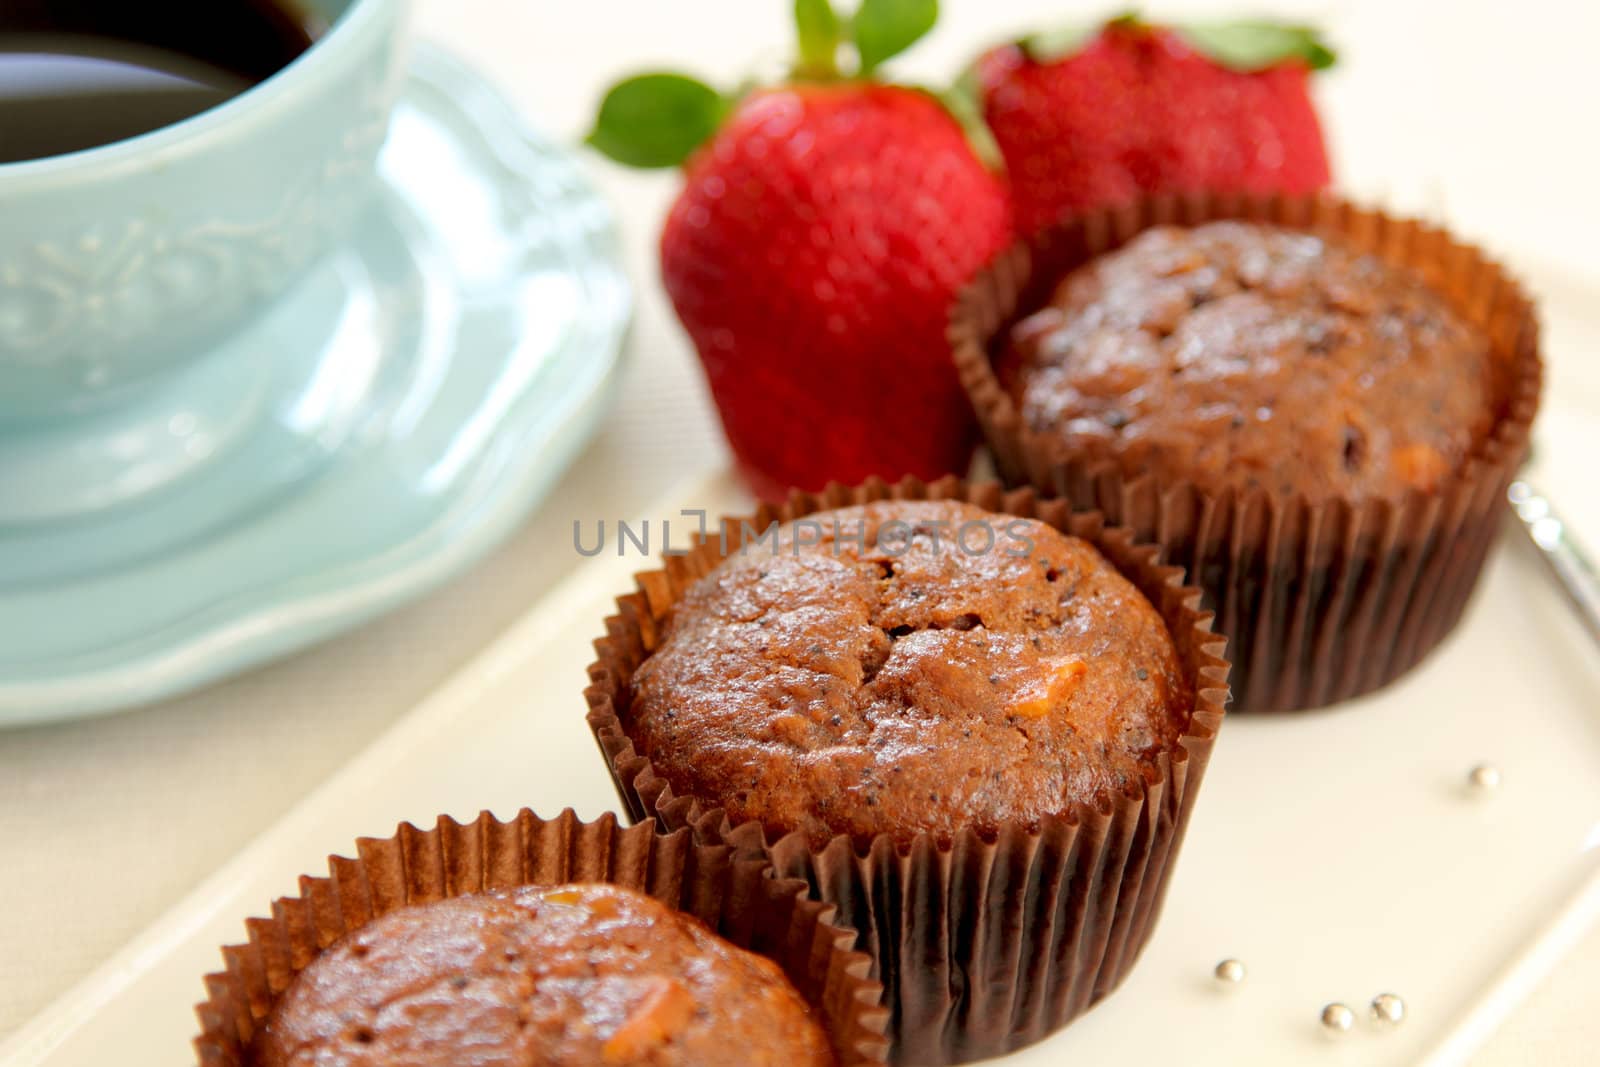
(879, 30)
(961, 101)
(1069, 39)
(1256, 44)
(659, 119)
(656, 120)
(819, 32)
(1245, 45)
(882, 29)
(1059, 42)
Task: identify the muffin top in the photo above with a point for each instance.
(580, 975)
(1241, 355)
(909, 666)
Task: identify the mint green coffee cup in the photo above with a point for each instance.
(124, 268)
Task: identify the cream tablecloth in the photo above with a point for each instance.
(1485, 118)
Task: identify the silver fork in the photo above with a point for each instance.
(1562, 554)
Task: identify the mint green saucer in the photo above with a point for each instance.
(391, 418)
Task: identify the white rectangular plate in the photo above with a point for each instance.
(1336, 853)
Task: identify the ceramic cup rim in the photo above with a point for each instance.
(325, 55)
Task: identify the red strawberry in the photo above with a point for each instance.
(1086, 120)
(812, 256)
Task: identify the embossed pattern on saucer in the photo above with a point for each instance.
(453, 357)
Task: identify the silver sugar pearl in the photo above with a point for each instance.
(1388, 1011)
(1483, 779)
(1229, 973)
(1337, 1020)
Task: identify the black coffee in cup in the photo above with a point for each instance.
(75, 74)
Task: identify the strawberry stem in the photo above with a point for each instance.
(817, 27)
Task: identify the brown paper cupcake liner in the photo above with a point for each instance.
(1321, 602)
(734, 894)
(984, 945)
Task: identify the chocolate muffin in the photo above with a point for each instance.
(1312, 407)
(577, 974)
(1237, 354)
(909, 666)
(1014, 701)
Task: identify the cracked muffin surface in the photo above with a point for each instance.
(580, 975)
(1241, 355)
(909, 666)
